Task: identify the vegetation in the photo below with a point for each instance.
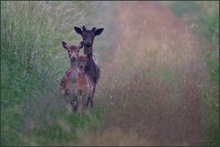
(155, 87)
(32, 63)
(203, 19)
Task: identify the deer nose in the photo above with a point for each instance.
(81, 67)
(87, 44)
(73, 58)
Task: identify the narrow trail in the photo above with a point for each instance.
(155, 69)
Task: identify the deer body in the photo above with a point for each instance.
(68, 84)
(92, 68)
(85, 84)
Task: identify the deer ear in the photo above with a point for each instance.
(65, 45)
(81, 44)
(78, 30)
(99, 31)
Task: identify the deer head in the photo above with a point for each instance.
(81, 61)
(73, 50)
(88, 37)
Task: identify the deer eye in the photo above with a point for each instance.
(68, 50)
(78, 50)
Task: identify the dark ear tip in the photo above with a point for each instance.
(101, 29)
(64, 44)
(78, 30)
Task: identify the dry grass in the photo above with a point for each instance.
(155, 79)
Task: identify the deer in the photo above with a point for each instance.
(92, 67)
(68, 83)
(85, 84)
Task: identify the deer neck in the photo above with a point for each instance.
(73, 64)
(88, 50)
(82, 77)
(73, 72)
(81, 72)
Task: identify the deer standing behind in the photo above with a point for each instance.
(69, 81)
(92, 67)
(85, 84)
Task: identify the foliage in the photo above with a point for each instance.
(32, 63)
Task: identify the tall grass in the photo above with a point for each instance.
(32, 63)
(31, 35)
(154, 83)
(203, 19)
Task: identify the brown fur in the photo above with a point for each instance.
(69, 80)
(75, 82)
(85, 84)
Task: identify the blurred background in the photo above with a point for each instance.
(159, 73)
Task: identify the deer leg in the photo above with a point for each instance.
(93, 95)
(85, 101)
(88, 101)
(79, 101)
(74, 102)
(69, 106)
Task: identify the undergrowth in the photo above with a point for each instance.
(32, 64)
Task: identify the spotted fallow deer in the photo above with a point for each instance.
(85, 84)
(69, 81)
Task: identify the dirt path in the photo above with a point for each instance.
(155, 72)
